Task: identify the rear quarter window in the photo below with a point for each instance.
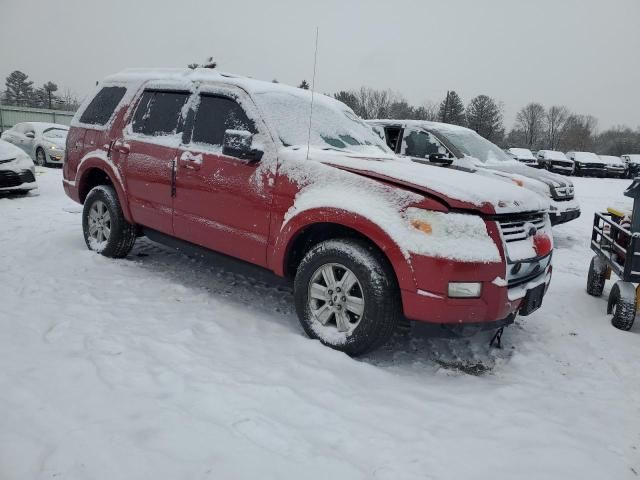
(101, 108)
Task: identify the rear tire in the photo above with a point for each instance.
(105, 229)
(596, 277)
(319, 298)
(41, 157)
(623, 308)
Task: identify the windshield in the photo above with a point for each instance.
(473, 145)
(333, 126)
(522, 153)
(55, 133)
(552, 155)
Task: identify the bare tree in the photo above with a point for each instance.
(531, 121)
(556, 119)
(579, 133)
(375, 103)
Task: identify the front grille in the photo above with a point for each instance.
(564, 192)
(9, 178)
(513, 227)
(561, 163)
(7, 160)
(593, 165)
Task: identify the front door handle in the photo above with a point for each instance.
(190, 161)
(121, 147)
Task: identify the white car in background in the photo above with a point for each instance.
(17, 172)
(524, 155)
(555, 161)
(451, 146)
(614, 166)
(43, 142)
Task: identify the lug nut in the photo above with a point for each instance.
(330, 292)
(331, 304)
(338, 289)
(344, 298)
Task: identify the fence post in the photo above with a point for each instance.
(1, 121)
(54, 117)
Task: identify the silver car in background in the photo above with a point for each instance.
(43, 142)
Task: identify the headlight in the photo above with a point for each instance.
(53, 147)
(464, 289)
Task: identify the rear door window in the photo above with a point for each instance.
(101, 108)
(159, 113)
(215, 115)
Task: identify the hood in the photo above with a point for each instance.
(549, 178)
(456, 189)
(9, 151)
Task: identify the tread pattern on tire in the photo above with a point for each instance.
(383, 309)
(623, 309)
(596, 277)
(123, 234)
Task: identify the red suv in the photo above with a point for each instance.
(256, 171)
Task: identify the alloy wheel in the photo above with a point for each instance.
(336, 298)
(99, 224)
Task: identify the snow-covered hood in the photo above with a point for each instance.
(457, 189)
(544, 176)
(9, 151)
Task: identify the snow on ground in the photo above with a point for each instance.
(160, 366)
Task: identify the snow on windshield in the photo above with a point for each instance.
(522, 153)
(473, 145)
(55, 133)
(553, 155)
(333, 125)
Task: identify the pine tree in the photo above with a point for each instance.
(304, 85)
(484, 115)
(452, 109)
(19, 90)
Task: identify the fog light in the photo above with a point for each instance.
(464, 289)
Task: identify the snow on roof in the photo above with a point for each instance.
(552, 155)
(443, 127)
(40, 126)
(586, 157)
(522, 153)
(610, 159)
(207, 75)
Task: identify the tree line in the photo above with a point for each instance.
(536, 127)
(19, 91)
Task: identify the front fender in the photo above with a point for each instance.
(98, 160)
(296, 225)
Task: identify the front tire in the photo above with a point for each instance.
(41, 157)
(105, 229)
(622, 303)
(346, 296)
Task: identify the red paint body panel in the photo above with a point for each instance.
(233, 207)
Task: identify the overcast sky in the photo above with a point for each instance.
(581, 53)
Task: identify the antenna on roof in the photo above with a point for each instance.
(313, 89)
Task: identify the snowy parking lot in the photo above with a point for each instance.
(162, 366)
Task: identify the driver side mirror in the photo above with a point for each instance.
(30, 135)
(440, 158)
(238, 143)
